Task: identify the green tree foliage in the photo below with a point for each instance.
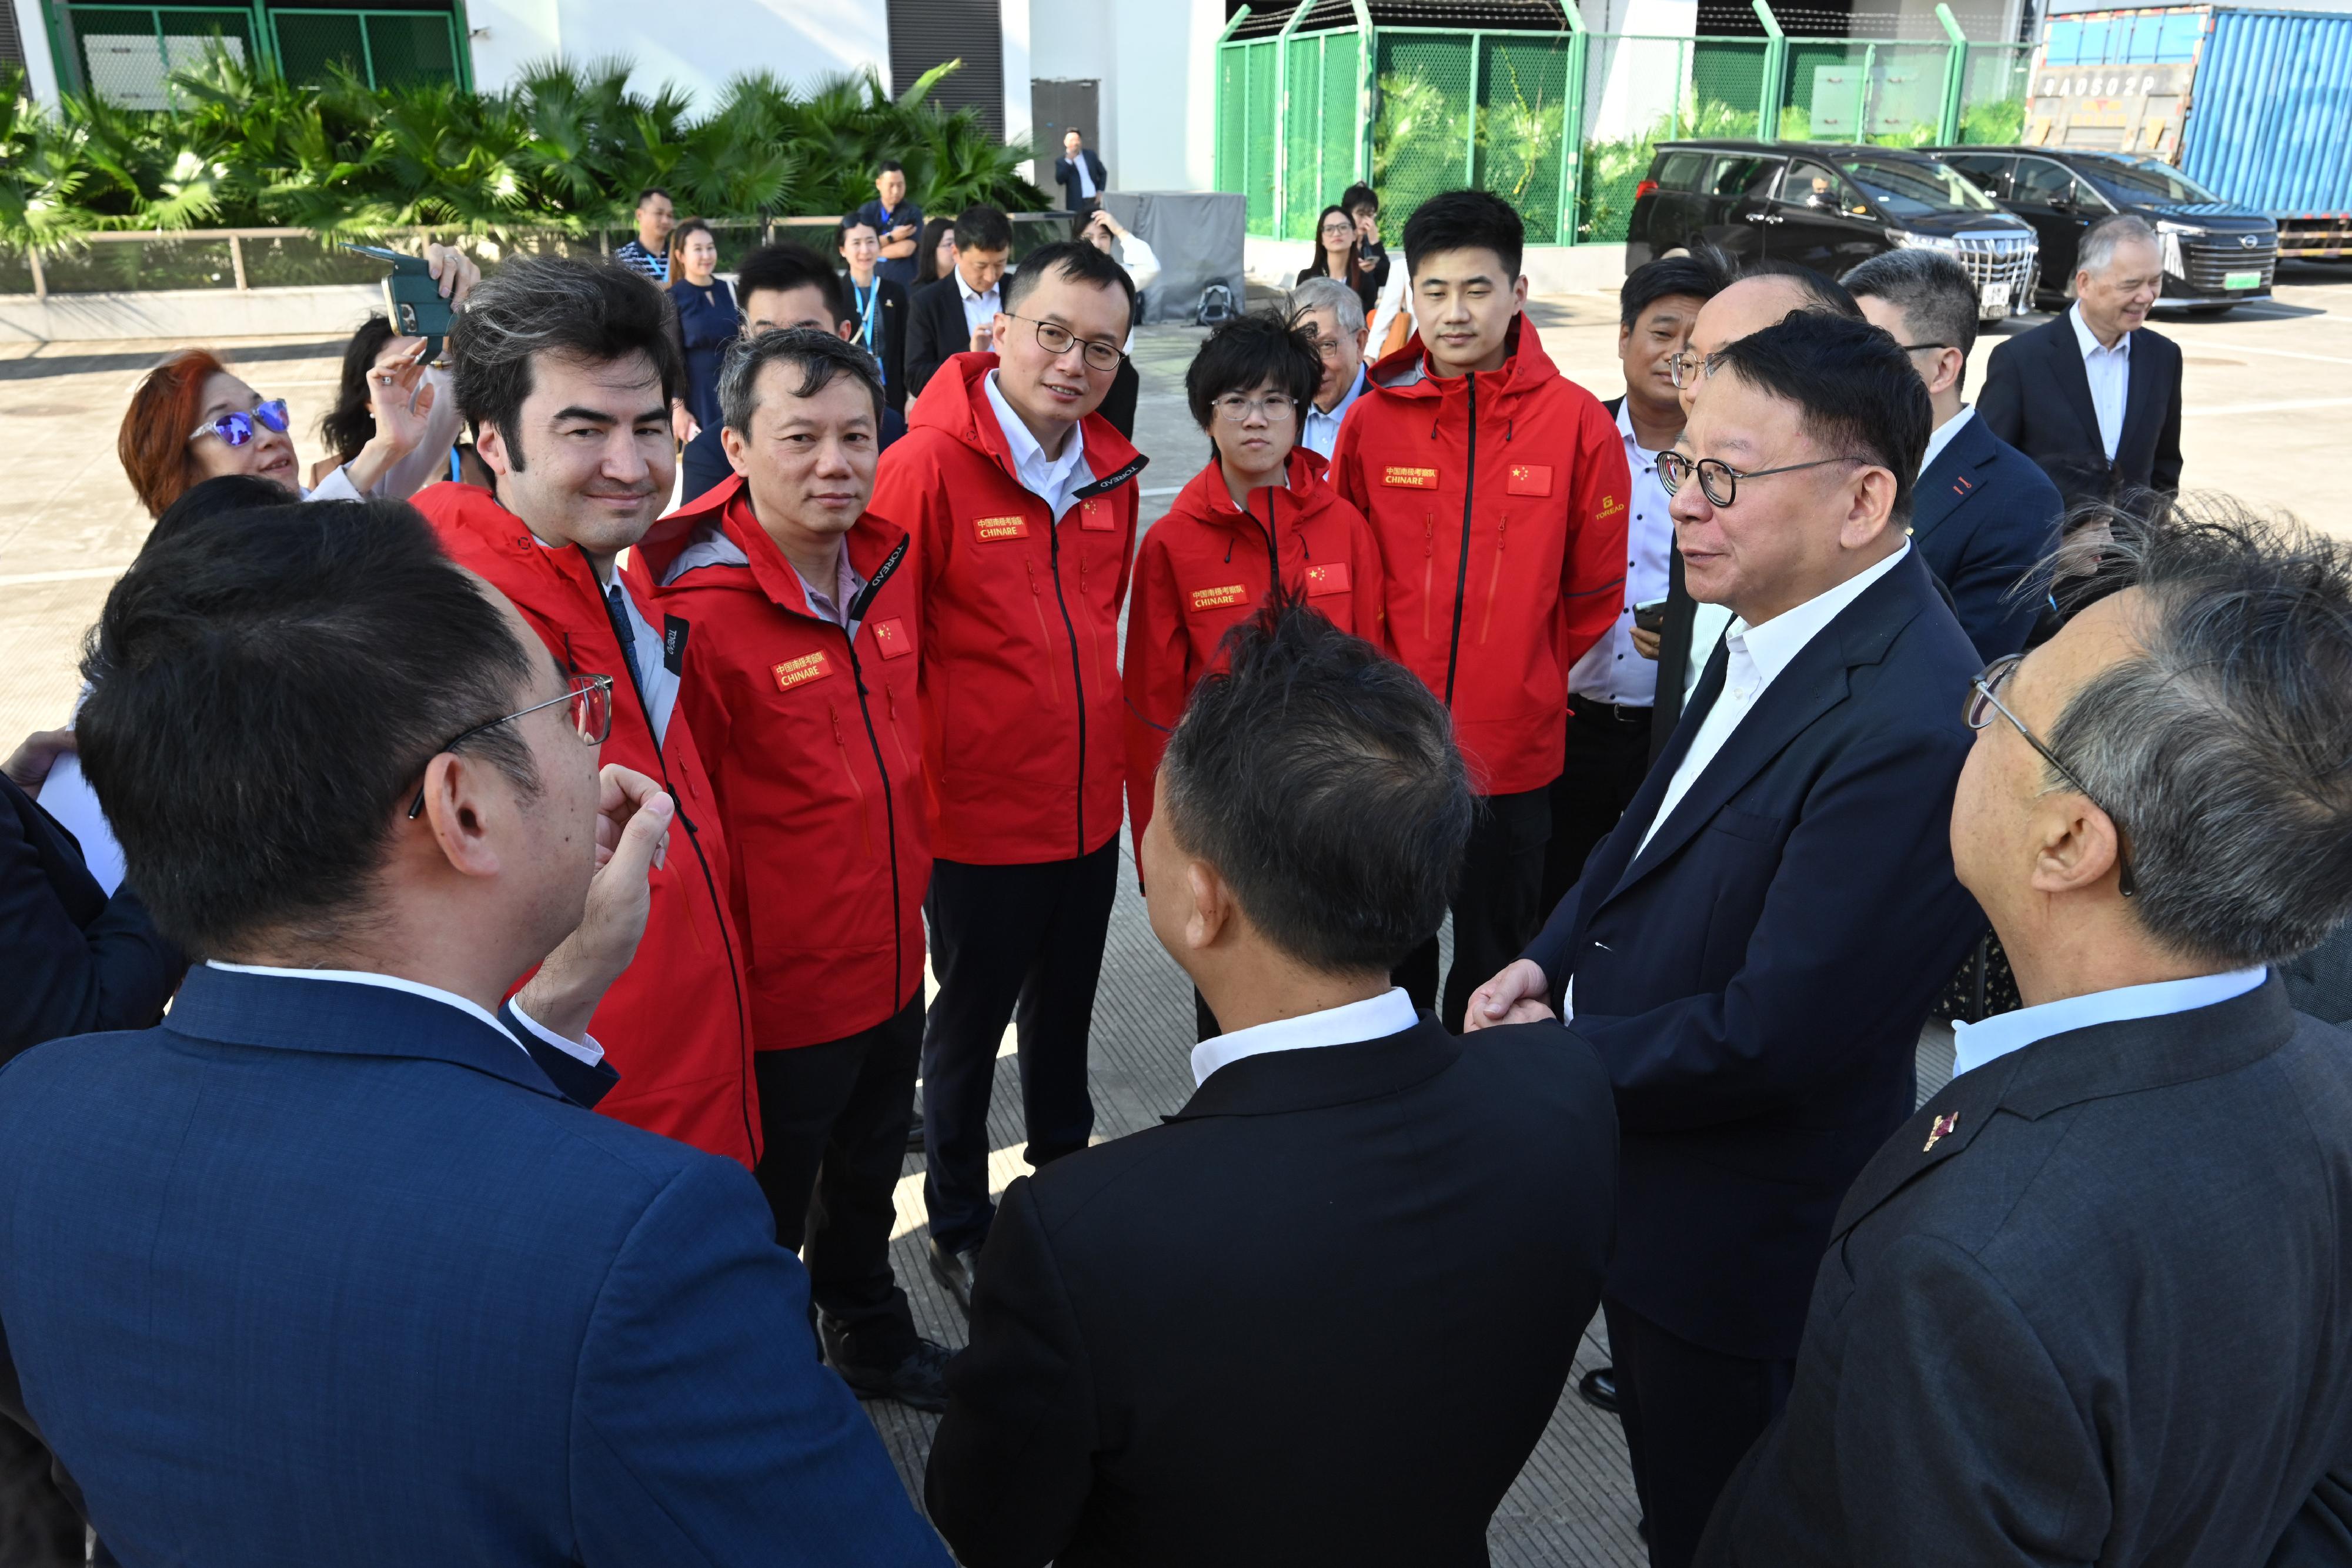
(566, 149)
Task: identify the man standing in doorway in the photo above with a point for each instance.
(1082, 177)
(648, 250)
(1021, 501)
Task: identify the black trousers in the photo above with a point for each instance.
(1608, 753)
(1009, 943)
(1690, 1415)
(1495, 914)
(39, 1526)
(833, 1120)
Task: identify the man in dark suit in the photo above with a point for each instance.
(1325, 1313)
(2094, 397)
(950, 315)
(324, 1269)
(1754, 949)
(1082, 177)
(1984, 518)
(2088, 1305)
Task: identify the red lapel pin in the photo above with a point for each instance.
(1943, 1128)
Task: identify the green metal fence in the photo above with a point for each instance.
(126, 53)
(1564, 124)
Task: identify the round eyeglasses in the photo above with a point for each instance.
(1984, 701)
(237, 428)
(1274, 408)
(591, 698)
(1057, 340)
(1719, 481)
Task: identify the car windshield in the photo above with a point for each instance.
(2147, 177)
(1903, 189)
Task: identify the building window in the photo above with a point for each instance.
(126, 53)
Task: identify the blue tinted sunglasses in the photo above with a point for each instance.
(236, 429)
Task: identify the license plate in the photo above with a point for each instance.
(1994, 300)
(2241, 280)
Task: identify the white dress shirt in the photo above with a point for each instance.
(1050, 479)
(1319, 432)
(1708, 623)
(1611, 671)
(2109, 372)
(585, 1047)
(1974, 1044)
(1942, 436)
(1374, 1018)
(1757, 656)
(1086, 175)
(978, 309)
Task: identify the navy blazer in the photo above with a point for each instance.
(1985, 518)
(324, 1272)
(2088, 1306)
(2037, 397)
(75, 960)
(1755, 978)
(1066, 174)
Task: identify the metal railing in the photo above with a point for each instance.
(1563, 123)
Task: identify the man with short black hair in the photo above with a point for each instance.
(803, 692)
(897, 220)
(779, 286)
(1754, 948)
(325, 1269)
(1020, 498)
(647, 251)
(954, 315)
(2004, 1361)
(1984, 516)
(2094, 396)
(1324, 1315)
(565, 369)
(1496, 488)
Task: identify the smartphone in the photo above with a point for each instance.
(1650, 617)
(412, 299)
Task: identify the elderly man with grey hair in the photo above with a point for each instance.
(1982, 515)
(2094, 396)
(2089, 1305)
(1333, 314)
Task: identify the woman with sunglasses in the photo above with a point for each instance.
(193, 419)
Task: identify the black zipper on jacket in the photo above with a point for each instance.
(1273, 554)
(889, 819)
(1469, 495)
(1078, 679)
(694, 841)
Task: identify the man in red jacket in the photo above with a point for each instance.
(1021, 500)
(565, 371)
(801, 695)
(1496, 488)
(1258, 515)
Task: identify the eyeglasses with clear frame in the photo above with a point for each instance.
(1274, 408)
(1686, 366)
(1984, 701)
(1057, 340)
(591, 698)
(1713, 474)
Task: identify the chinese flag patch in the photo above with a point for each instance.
(890, 637)
(1323, 579)
(1528, 480)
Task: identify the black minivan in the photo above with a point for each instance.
(1829, 206)
(2216, 254)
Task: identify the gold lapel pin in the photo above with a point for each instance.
(1945, 1127)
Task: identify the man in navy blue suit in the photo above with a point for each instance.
(1984, 516)
(1755, 947)
(325, 1269)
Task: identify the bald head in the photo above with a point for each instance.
(1748, 306)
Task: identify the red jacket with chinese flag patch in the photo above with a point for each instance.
(677, 1025)
(1498, 499)
(1207, 565)
(815, 752)
(1020, 701)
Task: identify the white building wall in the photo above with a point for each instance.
(1158, 97)
(799, 40)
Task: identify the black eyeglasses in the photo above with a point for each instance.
(1715, 474)
(591, 698)
(1982, 704)
(1057, 340)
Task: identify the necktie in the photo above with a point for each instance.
(628, 633)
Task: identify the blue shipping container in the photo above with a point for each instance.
(2271, 108)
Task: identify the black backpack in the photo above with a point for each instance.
(1217, 305)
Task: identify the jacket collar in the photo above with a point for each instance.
(953, 403)
(2073, 382)
(1944, 486)
(1205, 498)
(1813, 683)
(2102, 1061)
(1328, 1075)
(727, 507)
(1525, 367)
(334, 1017)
